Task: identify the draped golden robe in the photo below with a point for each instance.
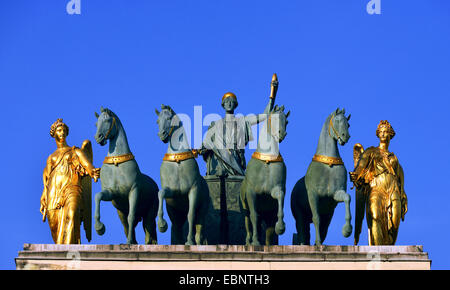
(380, 189)
(63, 190)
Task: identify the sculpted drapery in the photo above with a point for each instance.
(379, 181)
(66, 198)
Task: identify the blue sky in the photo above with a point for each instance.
(132, 56)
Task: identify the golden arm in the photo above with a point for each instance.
(360, 166)
(87, 165)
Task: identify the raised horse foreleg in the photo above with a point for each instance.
(104, 195)
(278, 193)
(342, 196)
(162, 194)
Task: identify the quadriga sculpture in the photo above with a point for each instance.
(316, 195)
(184, 189)
(133, 194)
(264, 185)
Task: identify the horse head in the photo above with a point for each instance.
(106, 126)
(167, 120)
(338, 126)
(277, 123)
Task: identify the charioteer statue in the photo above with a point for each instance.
(224, 145)
(223, 150)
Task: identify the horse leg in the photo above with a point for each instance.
(278, 194)
(305, 234)
(200, 218)
(302, 225)
(248, 229)
(270, 229)
(248, 224)
(178, 219)
(149, 225)
(193, 203)
(251, 201)
(162, 194)
(314, 204)
(325, 220)
(177, 233)
(123, 220)
(132, 219)
(342, 196)
(105, 196)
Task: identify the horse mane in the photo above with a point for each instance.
(111, 114)
(174, 116)
(339, 112)
(167, 107)
(280, 110)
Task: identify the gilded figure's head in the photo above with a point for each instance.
(385, 130)
(59, 129)
(229, 102)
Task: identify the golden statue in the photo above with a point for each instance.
(378, 178)
(66, 198)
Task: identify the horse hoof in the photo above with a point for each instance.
(100, 228)
(347, 230)
(189, 243)
(256, 243)
(280, 227)
(162, 225)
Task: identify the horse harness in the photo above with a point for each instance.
(267, 157)
(178, 157)
(330, 161)
(110, 129)
(116, 160)
(332, 127)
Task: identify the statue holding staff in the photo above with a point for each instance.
(225, 141)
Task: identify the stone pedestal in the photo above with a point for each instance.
(225, 223)
(221, 257)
